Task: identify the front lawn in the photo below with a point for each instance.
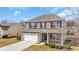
(7, 41)
(45, 47)
(39, 48)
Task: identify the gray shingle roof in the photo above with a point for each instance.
(5, 26)
(48, 17)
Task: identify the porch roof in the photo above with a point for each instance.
(42, 30)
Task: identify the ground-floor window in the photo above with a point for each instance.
(55, 38)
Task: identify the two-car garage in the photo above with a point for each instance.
(33, 37)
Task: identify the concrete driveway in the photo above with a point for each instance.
(17, 46)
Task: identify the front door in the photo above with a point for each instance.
(44, 37)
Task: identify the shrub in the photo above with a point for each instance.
(68, 33)
(18, 37)
(67, 41)
(5, 36)
(58, 46)
(51, 45)
(72, 33)
(11, 36)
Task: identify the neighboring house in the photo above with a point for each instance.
(11, 29)
(4, 27)
(45, 28)
(1, 31)
(15, 29)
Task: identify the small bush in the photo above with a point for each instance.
(11, 36)
(51, 45)
(58, 46)
(18, 37)
(5, 36)
(72, 33)
(68, 33)
(67, 41)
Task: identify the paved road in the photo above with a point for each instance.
(17, 46)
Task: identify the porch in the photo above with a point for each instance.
(52, 37)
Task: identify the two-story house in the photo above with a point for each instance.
(45, 28)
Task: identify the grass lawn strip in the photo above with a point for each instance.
(5, 42)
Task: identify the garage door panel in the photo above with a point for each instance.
(30, 37)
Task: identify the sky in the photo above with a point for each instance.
(18, 14)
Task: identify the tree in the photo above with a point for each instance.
(70, 23)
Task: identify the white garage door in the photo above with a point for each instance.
(31, 37)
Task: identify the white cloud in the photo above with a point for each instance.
(16, 13)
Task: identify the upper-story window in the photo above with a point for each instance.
(43, 24)
(54, 24)
(32, 25)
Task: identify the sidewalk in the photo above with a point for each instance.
(17, 46)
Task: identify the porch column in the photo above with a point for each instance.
(47, 37)
(62, 39)
(62, 35)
